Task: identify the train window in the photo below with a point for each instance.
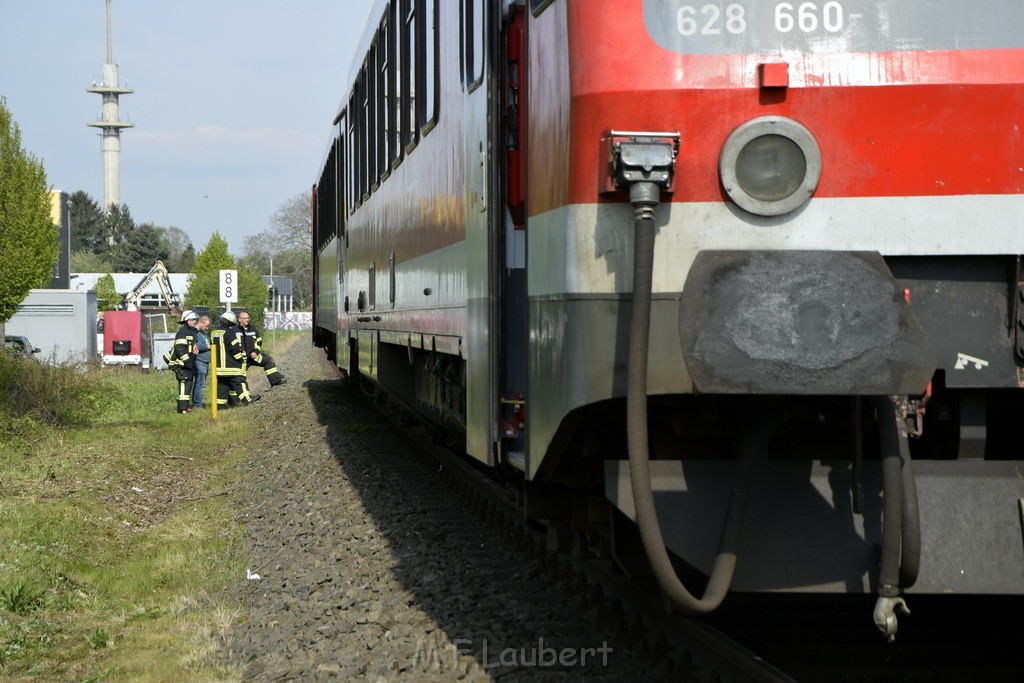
(352, 158)
(410, 54)
(472, 42)
(324, 197)
(397, 81)
(477, 72)
(340, 180)
(364, 114)
(391, 79)
(395, 119)
(369, 121)
(385, 88)
(331, 213)
(538, 6)
(341, 183)
(431, 66)
(359, 149)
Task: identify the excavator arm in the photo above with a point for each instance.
(158, 273)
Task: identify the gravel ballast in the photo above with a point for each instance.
(373, 565)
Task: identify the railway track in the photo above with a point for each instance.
(698, 650)
(381, 559)
(789, 637)
(379, 563)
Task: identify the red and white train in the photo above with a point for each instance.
(747, 273)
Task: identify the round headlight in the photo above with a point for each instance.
(770, 165)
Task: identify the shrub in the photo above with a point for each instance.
(59, 395)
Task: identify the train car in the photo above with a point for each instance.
(717, 289)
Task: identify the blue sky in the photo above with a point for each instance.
(232, 107)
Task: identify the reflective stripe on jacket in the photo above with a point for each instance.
(184, 348)
(230, 354)
(252, 341)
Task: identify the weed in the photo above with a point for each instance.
(22, 598)
(98, 638)
(20, 637)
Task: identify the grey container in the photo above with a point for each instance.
(60, 322)
(162, 343)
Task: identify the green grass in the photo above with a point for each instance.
(117, 540)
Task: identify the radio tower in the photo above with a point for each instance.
(111, 123)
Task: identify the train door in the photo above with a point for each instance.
(343, 349)
(477, 22)
(328, 223)
(511, 72)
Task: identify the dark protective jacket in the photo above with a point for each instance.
(252, 341)
(183, 352)
(230, 352)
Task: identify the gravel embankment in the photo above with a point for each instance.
(373, 567)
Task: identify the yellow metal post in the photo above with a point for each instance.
(213, 382)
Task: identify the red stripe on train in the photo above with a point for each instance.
(875, 141)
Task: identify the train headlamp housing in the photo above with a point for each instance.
(770, 165)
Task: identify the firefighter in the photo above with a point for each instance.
(232, 387)
(253, 343)
(182, 359)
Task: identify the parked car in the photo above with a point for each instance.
(19, 347)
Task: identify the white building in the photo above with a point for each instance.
(126, 282)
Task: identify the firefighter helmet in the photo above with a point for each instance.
(188, 315)
(228, 317)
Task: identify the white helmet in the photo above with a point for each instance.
(188, 315)
(228, 317)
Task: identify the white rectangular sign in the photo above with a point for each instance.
(228, 286)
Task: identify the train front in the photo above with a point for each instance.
(791, 231)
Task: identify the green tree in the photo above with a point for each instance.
(29, 243)
(88, 231)
(181, 255)
(107, 297)
(185, 262)
(204, 281)
(117, 225)
(89, 262)
(140, 249)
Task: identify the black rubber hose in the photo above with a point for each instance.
(910, 549)
(640, 478)
(892, 499)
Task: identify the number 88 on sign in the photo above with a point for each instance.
(229, 286)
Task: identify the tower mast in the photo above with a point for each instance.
(110, 123)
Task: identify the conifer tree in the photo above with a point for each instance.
(88, 231)
(139, 250)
